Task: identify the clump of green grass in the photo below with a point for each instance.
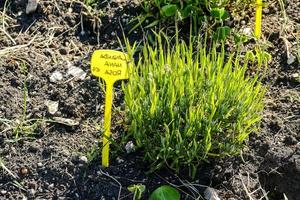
(184, 105)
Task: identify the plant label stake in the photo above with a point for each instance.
(111, 66)
(258, 18)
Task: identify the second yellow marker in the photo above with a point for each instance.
(258, 19)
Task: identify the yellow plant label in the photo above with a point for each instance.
(111, 66)
(258, 19)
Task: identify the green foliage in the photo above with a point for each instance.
(185, 105)
(222, 33)
(165, 192)
(91, 3)
(93, 153)
(198, 10)
(137, 190)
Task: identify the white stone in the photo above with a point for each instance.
(119, 160)
(211, 194)
(52, 106)
(247, 31)
(66, 121)
(3, 192)
(31, 192)
(291, 59)
(76, 72)
(56, 77)
(129, 147)
(83, 159)
(295, 75)
(31, 6)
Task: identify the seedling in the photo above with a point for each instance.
(137, 190)
(111, 66)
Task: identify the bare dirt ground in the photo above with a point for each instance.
(47, 161)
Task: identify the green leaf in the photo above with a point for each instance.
(187, 11)
(169, 10)
(222, 33)
(240, 38)
(165, 192)
(219, 13)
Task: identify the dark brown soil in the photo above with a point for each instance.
(45, 161)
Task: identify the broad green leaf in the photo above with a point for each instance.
(169, 10)
(222, 33)
(186, 11)
(219, 13)
(165, 192)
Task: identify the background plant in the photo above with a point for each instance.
(185, 105)
(198, 11)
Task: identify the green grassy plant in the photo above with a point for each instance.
(185, 105)
(22, 126)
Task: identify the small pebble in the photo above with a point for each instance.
(266, 11)
(291, 59)
(119, 160)
(76, 72)
(56, 77)
(31, 6)
(211, 194)
(31, 192)
(247, 31)
(83, 159)
(39, 164)
(295, 75)
(52, 106)
(3, 192)
(129, 147)
(82, 33)
(24, 171)
(51, 186)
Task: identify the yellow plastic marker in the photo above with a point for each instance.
(258, 19)
(111, 66)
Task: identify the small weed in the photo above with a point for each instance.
(93, 153)
(22, 125)
(137, 190)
